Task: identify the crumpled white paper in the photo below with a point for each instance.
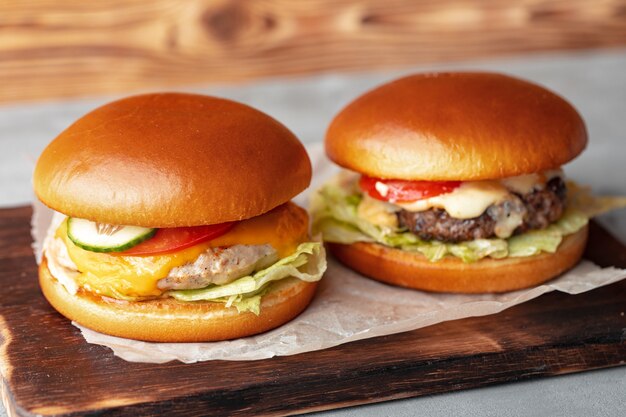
(347, 307)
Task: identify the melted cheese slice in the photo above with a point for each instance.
(284, 228)
(136, 276)
(523, 184)
(472, 198)
(467, 201)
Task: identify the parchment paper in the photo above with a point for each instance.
(347, 307)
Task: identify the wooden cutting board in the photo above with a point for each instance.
(47, 367)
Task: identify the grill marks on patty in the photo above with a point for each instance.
(537, 208)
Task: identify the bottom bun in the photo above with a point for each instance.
(413, 270)
(169, 320)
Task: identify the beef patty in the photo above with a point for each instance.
(538, 209)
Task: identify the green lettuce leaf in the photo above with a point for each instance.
(334, 209)
(307, 263)
(547, 240)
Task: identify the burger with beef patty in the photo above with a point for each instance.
(174, 221)
(453, 183)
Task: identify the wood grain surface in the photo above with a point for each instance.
(75, 47)
(48, 369)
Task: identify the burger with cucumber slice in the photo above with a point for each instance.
(174, 222)
(453, 183)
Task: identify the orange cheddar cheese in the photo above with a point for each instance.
(137, 276)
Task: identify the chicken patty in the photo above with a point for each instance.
(219, 266)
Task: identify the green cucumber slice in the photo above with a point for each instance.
(101, 237)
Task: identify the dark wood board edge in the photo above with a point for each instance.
(399, 383)
(405, 382)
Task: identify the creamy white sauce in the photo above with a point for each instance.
(472, 198)
(468, 200)
(523, 184)
(383, 189)
(506, 225)
(60, 264)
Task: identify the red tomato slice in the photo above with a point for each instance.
(404, 191)
(173, 239)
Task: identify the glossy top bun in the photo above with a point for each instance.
(170, 160)
(456, 126)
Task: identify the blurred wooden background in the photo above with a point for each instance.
(51, 48)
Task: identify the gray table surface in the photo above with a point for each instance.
(595, 82)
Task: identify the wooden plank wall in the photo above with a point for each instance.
(51, 48)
